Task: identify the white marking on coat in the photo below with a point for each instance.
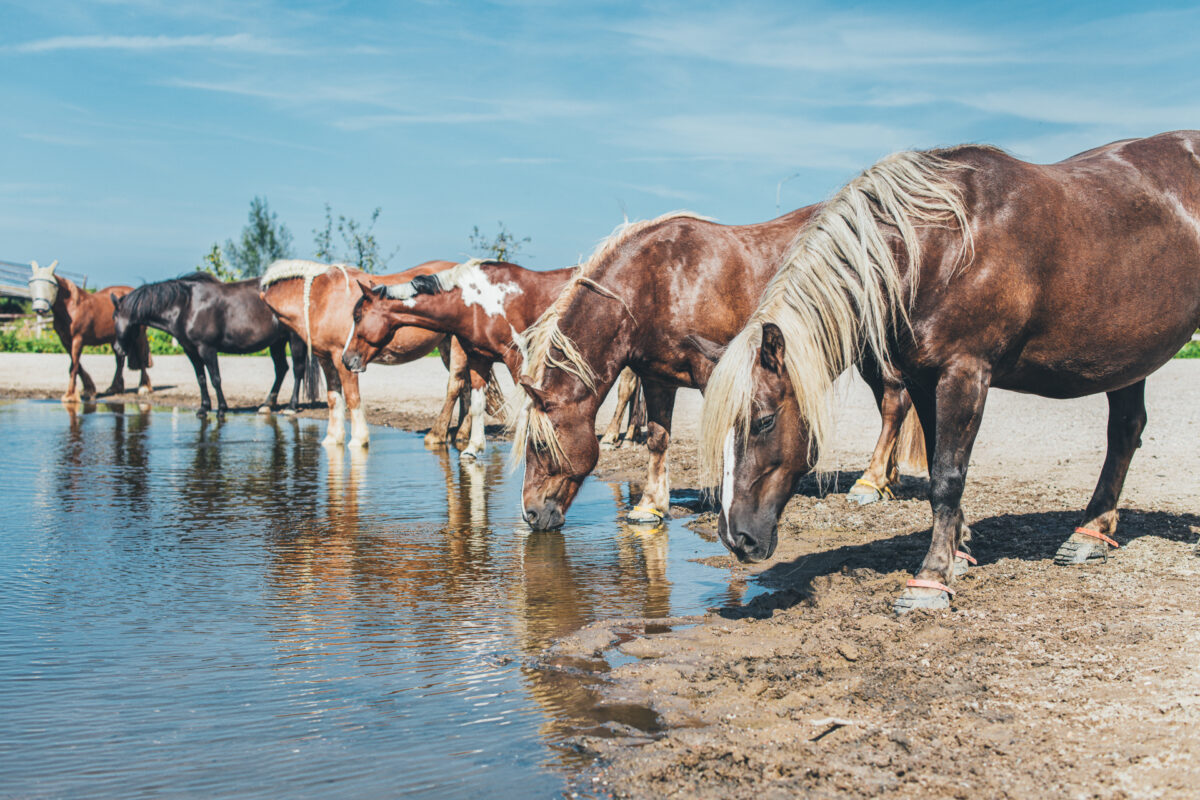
(478, 290)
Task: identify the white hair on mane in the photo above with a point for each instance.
(837, 293)
(286, 269)
(530, 424)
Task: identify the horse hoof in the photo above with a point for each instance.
(608, 444)
(144, 390)
(202, 413)
(1073, 552)
(864, 496)
(643, 516)
(961, 567)
(289, 412)
(468, 455)
(330, 441)
(264, 409)
(911, 598)
(361, 444)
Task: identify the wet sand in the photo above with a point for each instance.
(1040, 681)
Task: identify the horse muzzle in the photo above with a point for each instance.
(547, 518)
(353, 361)
(748, 547)
(41, 307)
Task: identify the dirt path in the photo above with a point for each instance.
(1041, 681)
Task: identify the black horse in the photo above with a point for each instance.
(207, 316)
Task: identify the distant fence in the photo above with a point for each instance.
(14, 279)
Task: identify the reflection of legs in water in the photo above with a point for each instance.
(478, 413)
(474, 477)
(653, 545)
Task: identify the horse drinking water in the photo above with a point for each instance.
(83, 319)
(964, 269)
(207, 317)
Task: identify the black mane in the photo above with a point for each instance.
(150, 298)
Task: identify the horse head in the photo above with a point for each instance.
(765, 450)
(561, 449)
(43, 287)
(371, 329)
(126, 332)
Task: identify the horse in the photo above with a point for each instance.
(655, 296)
(316, 300)
(83, 319)
(207, 316)
(964, 269)
(483, 304)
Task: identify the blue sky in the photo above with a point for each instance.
(133, 133)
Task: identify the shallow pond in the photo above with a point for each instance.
(203, 608)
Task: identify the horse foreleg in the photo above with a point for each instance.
(299, 371)
(360, 435)
(1126, 421)
(617, 432)
(953, 414)
(655, 504)
(75, 350)
(279, 357)
(198, 366)
(335, 433)
(456, 361)
(881, 472)
(118, 382)
(209, 354)
(480, 372)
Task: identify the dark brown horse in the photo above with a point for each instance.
(655, 297)
(965, 269)
(84, 319)
(316, 300)
(208, 316)
(484, 304)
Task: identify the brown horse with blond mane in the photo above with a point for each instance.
(485, 305)
(964, 269)
(316, 301)
(84, 319)
(657, 296)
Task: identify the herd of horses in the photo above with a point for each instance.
(937, 274)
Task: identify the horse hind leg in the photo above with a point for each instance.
(360, 434)
(455, 360)
(335, 433)
(477, 441)
(614, 436)
(1094, 538)
(881, 473)
(118, 381)
(279, 357)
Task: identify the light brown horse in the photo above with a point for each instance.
(659, 297)
(84, 319)
(484, 304)
(316, 301)
(964, 269)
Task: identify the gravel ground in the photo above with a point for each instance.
(1040, 681)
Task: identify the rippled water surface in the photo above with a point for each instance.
(195, 608)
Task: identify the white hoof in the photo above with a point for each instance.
(289, 412)
(359, 443)
(264, 409)
(331, 441)
(143, 390)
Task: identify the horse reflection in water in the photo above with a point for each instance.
(74, 483)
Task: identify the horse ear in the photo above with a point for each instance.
(115, 300)
(770, 355)
(365, 288)
(53, 264)
(35, 266)
(535, 394)
(708, 348)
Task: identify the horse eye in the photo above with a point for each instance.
(762, 424)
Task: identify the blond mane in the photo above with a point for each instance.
(545, 336)
(286, 269)
(837, 294)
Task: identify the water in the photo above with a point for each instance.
(212, 609)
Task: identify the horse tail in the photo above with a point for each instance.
(497, 403)
(910, 445)
(312, 377)
(638, 417)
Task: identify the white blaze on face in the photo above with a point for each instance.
(729, 462)
(478, 290)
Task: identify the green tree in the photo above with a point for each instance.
(358, 243)
(504, 247)
(215, 263)
(264, 239)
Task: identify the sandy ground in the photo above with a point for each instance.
(1040, 681)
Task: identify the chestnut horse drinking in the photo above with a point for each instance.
(484, 304)
(964, 269)
(316, 300)
(207, 316)
(657, 296)
(83, 319)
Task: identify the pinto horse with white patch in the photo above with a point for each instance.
(964, 269)
(316, 300)
(658, 297)
(485, 305)
(84, 319)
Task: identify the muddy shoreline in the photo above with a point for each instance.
(1039, 681)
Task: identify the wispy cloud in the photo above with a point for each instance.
(666, 192)
(238, 42)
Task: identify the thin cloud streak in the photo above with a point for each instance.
(238, 42)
